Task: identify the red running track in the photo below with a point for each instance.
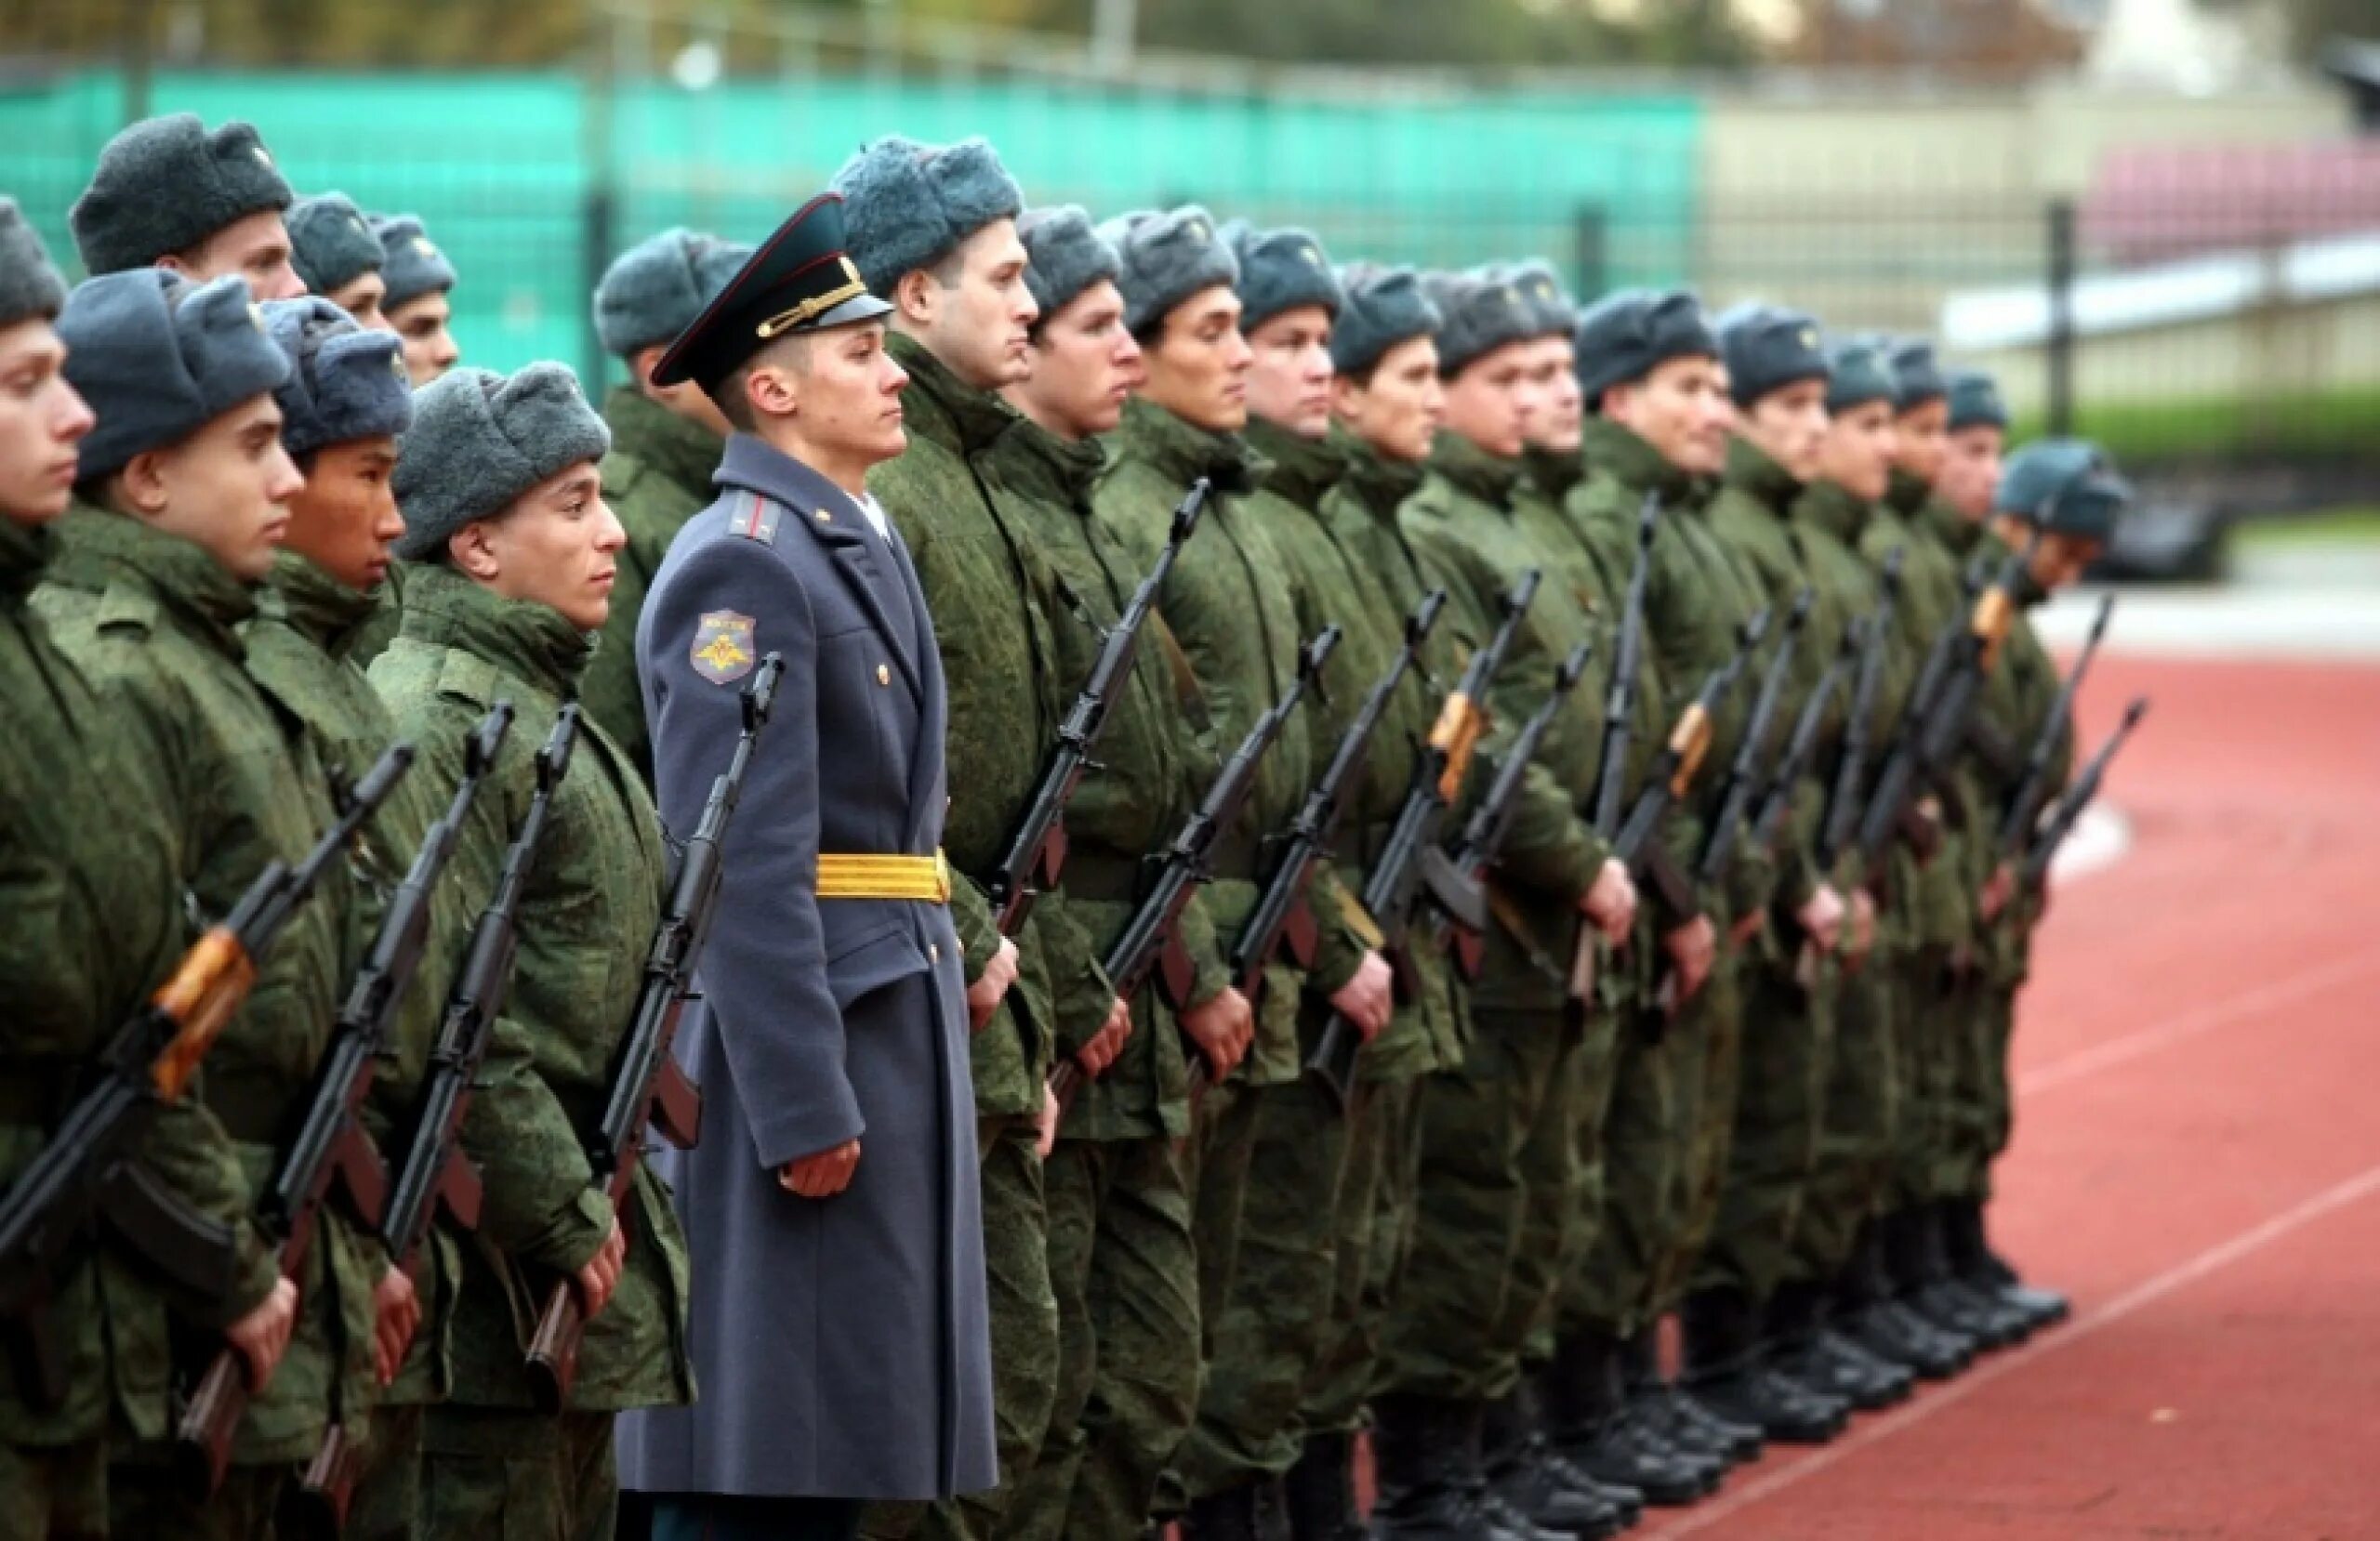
(2197, 1161)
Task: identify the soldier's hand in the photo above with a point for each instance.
(396, 1315)
(262, 1336)
(1611, 903)
(1747, 926)
(1692, 948)
(1998, 890)
(983, 997)
(1048, 1123)
(1863, 923)
(1222, 1028)
(1370, 999)
(824, 1175)
(599, 1275)
(1108, 1042)
(1820, 918)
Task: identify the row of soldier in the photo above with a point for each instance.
(1657, 627)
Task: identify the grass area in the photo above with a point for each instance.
(2339, 424)
(2331, 526)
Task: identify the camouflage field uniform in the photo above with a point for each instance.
(154, 620)
(1863, 1096)
(91, 921)
(494, 1468)
(301, 645)
(656, 477)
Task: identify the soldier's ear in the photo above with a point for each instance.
(140, 489)
(473, 552)
(916, 297)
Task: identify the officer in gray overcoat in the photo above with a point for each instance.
(839, 1333)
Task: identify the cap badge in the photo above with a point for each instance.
(264, 157)
(1809, 337)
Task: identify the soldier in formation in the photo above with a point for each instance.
(1054, 867)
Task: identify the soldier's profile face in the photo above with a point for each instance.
(1561, 418)
(1085, 365)
(1493, 400)
(1400, 406)
(345, 522)
(255, 247)
(41, 420)
(1857, 454)
(1288, 375)
(1971, 469)
(421, 326)
(556, 546)
(1198, 369)
(848, 397)
(979, 310)
(1925, 439)
(226, 488)
(360, 297)
(1681, 408)
(1789, 426)
(2060, 559)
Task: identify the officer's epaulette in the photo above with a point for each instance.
(755, 518)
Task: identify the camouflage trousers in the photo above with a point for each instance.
(503, 1474)
(1861, 1130)
(1215, 1163)
(1499, 1198)
(388, 1497)
(1269, 1327)
(1125, 1277)
(1785, 1063)
(149, 1499)
(1379, 1193)
(1964, 1147)
(1995, 1035)
(54, 1491)
(1929, 1051)
(1557, 1277)
(1025, 1338)
(1665, 1156)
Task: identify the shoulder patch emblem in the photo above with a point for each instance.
(721, 649)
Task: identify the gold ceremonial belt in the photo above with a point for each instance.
(921, 877)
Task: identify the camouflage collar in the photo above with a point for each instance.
(942, 407)
(1951, 527)
(1299, 470)
(1182, 451)
(1905, 495)
(317, 606)
(1039, 464)
(1555, 471)
(1832, 507)
(681, 450)
(1473, 472)
(1618, 451)
(529, 642)
(97, 548)
(25, 550)
(1752, 471)
(1380, 483)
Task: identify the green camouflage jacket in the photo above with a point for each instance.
(656, 477)
(90, 922)
(984, 583)
(1470, 519)
(154, 619)
(1127, 806)
(301, 645)
(1228, 606)
(1368, 571)
(1752, 515)
(593, 897)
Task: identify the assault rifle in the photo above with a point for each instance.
(1620, 702)
(334, 1149)
(1776, 799)
(1411, 867)
(1038, 850)
(90, 1169)
(2069, 809)
(437, 1175)
(1840, 826)
(1743, 774)
(2017, 821)
(647, 1086)
(1282, 916)
(1151, 943)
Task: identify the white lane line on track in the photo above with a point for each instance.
(2249, 1003)
(2142, 1296)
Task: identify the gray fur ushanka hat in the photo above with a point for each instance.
(1279, 270)
(1385, 307)
(28, 282)
(907, 206)
(480, 439)
(165, 184)
(344, 383)
(158, 358)
(1165, 257)
(655, 289)
(1063, 256)
(331, 243)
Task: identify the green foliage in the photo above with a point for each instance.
(2338, 424)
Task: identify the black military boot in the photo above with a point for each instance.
(1921, 1273)
(1318, 1494)
(1226, 1516)
(1800, 1346)
(1420, 1455)
(1980, 1268)
(1726, 1371)
(1581, 1393)
(1664, 1413)
(1505, 1522)
(1525, 1472)
(1873, 1317)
